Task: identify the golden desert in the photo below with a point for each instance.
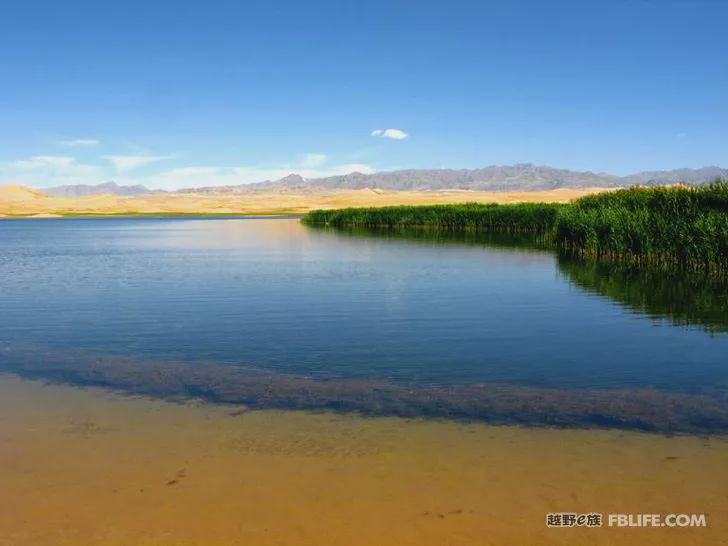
(19, 200)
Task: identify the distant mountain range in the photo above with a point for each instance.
(522, 177)
(106, 188)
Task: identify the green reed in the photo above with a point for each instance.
(675, 228)
(678, 227)
(522, 217)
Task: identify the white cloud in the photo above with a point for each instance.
(396, 134)
(49, 170)
(193, 172)
(348, 168)
(42, 161)
(130, 162)
(314, 160)
(80, 143)
(44, 171)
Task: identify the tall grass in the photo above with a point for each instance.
(677, 227)
(680, 227)
(522, 217)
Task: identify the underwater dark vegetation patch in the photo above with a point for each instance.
(640, 409)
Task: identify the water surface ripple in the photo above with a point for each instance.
(452, 318)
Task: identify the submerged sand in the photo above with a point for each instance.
(17, 200)
(87, 467)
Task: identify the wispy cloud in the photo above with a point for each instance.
(80, 143)
(49, 170)
(55, 170)
(42, 161)
(131, 162)
(396, 134)
(314, 160)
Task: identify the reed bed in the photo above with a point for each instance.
(685, 228)
(522, 217)
(670, 227)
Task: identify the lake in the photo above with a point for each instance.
(346, 316)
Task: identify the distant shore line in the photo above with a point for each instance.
(201, 215)
(22, 201)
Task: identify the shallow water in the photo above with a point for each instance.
(91, 468)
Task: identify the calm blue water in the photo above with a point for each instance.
(273, 294)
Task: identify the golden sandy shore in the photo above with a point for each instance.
(18, 200)
(92, 468)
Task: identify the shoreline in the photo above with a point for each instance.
(135, 470)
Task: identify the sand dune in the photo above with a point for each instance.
(17, 200)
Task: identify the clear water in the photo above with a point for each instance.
(276, 295)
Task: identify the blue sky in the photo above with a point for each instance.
(181, 93)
